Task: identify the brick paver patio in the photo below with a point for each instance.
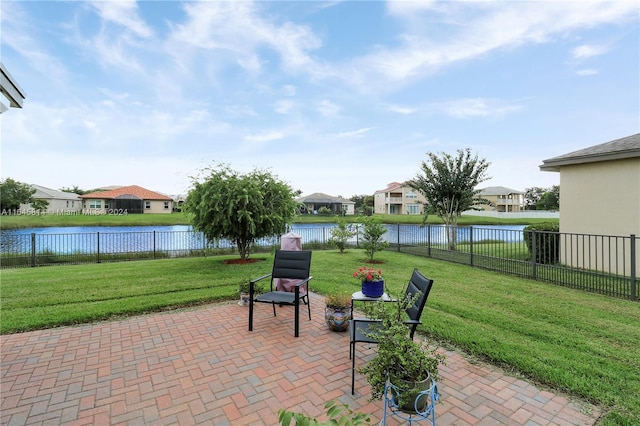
(202, 366)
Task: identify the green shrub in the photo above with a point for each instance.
(547, 239)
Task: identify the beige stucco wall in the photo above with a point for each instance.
(383, 200)
(601, 198)
(157, 206)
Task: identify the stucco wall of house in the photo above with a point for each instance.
(402, 197)
(157, 206)
(601, 198)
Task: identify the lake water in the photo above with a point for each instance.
(122, 239)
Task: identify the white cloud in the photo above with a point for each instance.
(283, 106)
(125, 14)
(264, 136)
(401, 109)
(328, 108)
(238, 29)
(587, 72)
(354, 133)
(587, 51)
(476, 107)
(443, 33)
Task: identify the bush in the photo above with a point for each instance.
(372, 233)
(547, 239)
(340, 235)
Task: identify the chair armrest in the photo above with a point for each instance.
(364, 320)
(255, 280)
(413, 322)
(306, 280)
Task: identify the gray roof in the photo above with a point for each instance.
(50, 194)
(627, 147)
(320, 198)
(499, 190)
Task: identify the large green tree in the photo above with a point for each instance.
(240, 207)
(536, 198)
(14, 193)
(550, 199)
(449, 185)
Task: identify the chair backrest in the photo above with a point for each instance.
(292, 264)
(417, 284)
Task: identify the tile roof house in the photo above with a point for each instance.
(600, 189)
(126, 199)
(337, 205)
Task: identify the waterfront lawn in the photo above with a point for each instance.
(576, 342)
(176, 218)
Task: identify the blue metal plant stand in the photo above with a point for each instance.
(424, 405)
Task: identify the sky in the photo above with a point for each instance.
(338, 97)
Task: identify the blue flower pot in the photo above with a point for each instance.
(373, 289)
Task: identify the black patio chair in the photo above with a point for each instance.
(362, 329)
(287, 264)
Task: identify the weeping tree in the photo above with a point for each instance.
(238, 207)
(449, 185)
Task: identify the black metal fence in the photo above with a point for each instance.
(597, 263)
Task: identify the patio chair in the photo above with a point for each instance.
(361, 329)
(287, 264)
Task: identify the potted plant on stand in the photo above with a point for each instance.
(372, 281)
(337, 312)
(405, 364)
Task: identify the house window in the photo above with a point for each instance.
(413, 208)
(106, 204)
(411, 195)
(166, 205)
(147, 204)
(67, 203)
(95, 204)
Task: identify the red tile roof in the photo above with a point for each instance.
(135, 190)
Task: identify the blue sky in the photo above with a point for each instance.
(340, 97)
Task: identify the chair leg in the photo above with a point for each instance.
(250, 314)
(309, 305)
(353, 368)
(274, 309)
(296, 332)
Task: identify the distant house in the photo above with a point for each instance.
(337, 205)
(600, 189)
(129, 199)
(59, 201)
(398, 198)
(503, 199)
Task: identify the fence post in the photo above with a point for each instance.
(98, 246)
(33, 249)
(534, 251)
(398, 234)
(429, 240)
(633, 266)
(154, 244)
(471, 244)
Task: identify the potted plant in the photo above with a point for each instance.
(400, 360)
(243, 291)
(337, 312)
(372, 281)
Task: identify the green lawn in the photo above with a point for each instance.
(36, 221)
(580, 343)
